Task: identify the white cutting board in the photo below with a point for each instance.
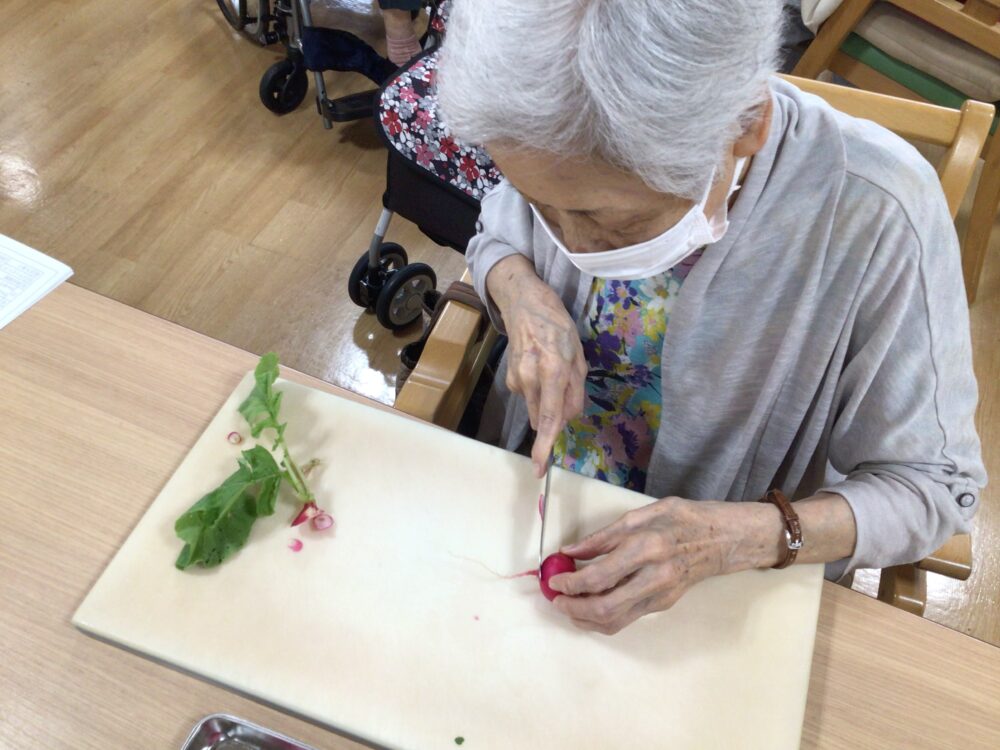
(393, 630)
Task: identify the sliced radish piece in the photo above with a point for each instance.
(322, 521)
(308, 511)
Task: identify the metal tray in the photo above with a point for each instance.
(225, 732)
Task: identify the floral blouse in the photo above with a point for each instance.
(622, 332)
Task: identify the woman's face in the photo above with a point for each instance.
(592, 205)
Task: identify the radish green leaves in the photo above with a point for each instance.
(219, 524)
(261, 407)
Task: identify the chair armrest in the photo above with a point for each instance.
(953, 559)
(439, 388)
(905, 586)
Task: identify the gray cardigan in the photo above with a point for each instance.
(822, 344)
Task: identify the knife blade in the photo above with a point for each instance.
(544, 507)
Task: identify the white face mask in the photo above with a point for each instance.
(661, 253)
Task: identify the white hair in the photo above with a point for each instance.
(659, 88)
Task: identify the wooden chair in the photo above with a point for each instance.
(976, 23)
(440, 385)
(439, 388)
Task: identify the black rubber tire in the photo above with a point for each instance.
(233, 17)
(401, 300)
(284, 87)
(392, 257)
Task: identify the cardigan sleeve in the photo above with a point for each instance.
(505, 228)
(903, 429)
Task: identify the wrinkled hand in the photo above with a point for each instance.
(648, 559)
(545, 363)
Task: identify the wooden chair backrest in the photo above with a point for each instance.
(975, 22)
(962, 132)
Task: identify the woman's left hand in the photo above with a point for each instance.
(652, 555)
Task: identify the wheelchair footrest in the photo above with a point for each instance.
(350, 107)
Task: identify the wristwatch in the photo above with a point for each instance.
(793, 529)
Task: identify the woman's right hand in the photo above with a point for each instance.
(545, 362)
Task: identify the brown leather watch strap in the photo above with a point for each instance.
(793, 529)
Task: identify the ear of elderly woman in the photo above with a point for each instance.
(713, 285)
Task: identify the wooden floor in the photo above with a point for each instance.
(133, 147)
(140, 154)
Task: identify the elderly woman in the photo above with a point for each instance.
(716, 288)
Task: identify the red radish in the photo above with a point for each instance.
(308, 512)
(551, 566)
(235, 438)
(295, 545)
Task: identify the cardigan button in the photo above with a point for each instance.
(966, 499)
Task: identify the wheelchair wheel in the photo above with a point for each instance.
(235, 12)
(392, 257)
(402, 298)
(284, 87)
(243, 15)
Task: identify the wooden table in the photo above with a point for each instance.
(101, 402)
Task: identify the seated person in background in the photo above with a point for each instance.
(714, 285)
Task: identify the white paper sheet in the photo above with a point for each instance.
(26, 276)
